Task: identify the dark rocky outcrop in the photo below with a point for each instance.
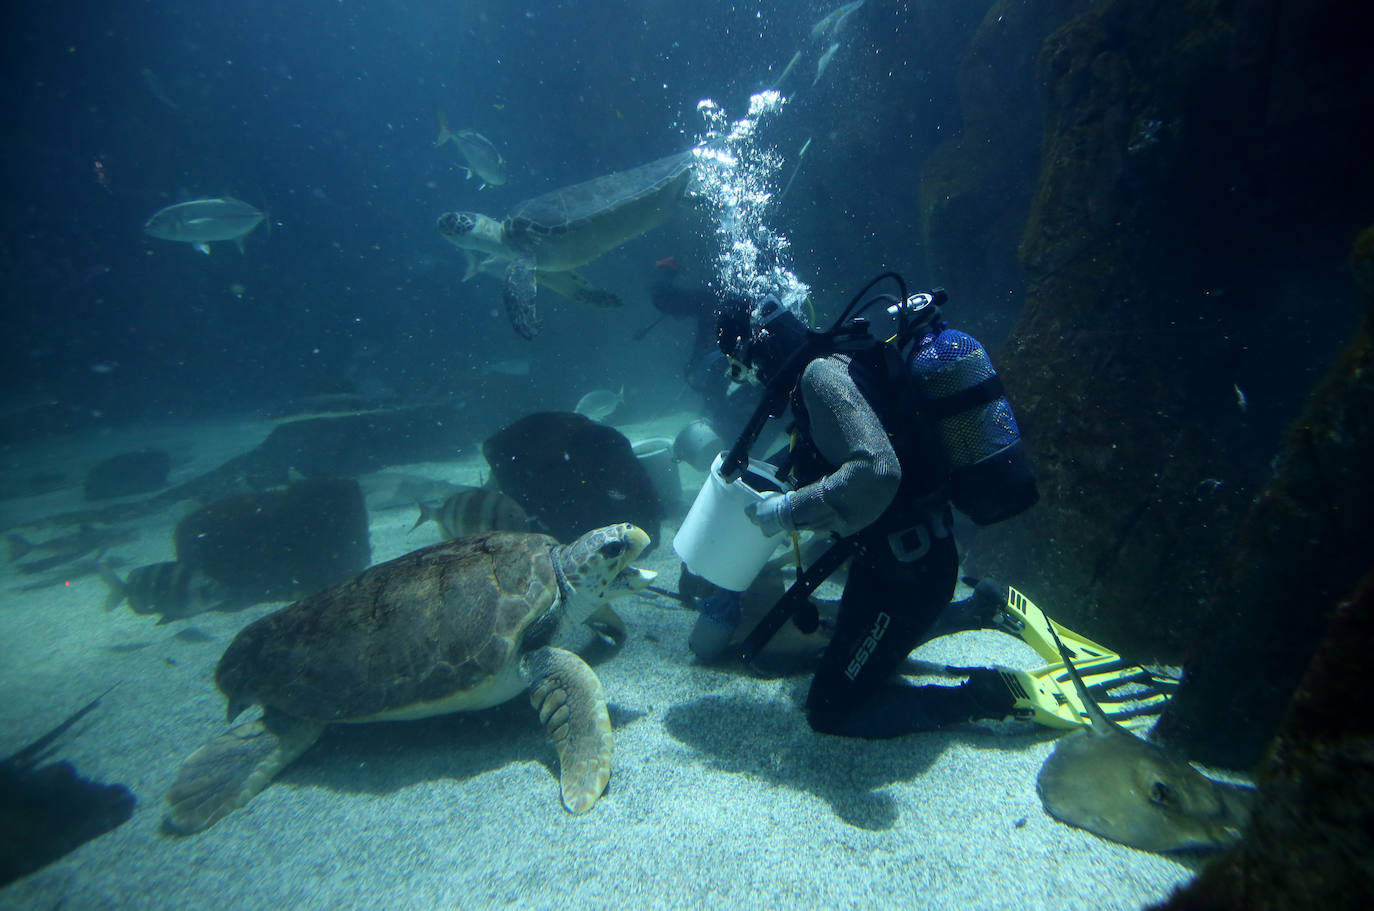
(282, 544)
(572, 474)
(976, 185)
(127, 474)
(1160, 353)
(1307, 540)
(1310, 842)
(333, 446)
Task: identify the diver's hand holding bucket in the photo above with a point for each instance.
(772, 514)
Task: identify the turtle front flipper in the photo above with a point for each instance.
(572, 708)
(230, 770)
(576, 288)
(519, 294)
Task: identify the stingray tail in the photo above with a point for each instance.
(1100, 720)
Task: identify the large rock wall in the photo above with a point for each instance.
(1184, 290)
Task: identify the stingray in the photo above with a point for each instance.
(50, 810)
(567, 470)
(1106, 780)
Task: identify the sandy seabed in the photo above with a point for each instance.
(720, 796)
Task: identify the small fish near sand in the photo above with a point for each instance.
(480, 153)
(201, 221)
(474, 511)
(67, 573)
(600, 404)
(1128, 790)
(173, 589)
(30, 557)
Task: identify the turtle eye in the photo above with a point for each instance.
(612, 549)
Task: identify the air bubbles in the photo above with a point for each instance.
(736, 175)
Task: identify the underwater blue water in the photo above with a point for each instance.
(321, 114)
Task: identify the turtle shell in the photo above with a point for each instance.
(421, 628)
(574, 225)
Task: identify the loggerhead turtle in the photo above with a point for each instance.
(461, 625)
(546, 237)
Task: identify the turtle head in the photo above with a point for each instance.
(471, 231)
(456, 224)
(596, 567)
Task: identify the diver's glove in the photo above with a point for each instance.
(772, 514)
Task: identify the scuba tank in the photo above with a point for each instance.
(989, 474)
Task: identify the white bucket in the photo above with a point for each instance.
(717, 541)
(656, 455)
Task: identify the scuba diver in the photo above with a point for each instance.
(879, 450)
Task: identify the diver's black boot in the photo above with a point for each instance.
(902, 709)
(986, 696)
(977, 611)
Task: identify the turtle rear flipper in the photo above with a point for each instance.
(519, 297)
(572, 708)
(231, 769)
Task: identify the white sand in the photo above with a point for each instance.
(721, 796)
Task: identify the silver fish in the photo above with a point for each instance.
(201, 221)
(829, 25)
(154, 86)
(472, 512)
(481, 155)
(787, 70)
(824, 62)
(174, 590)
(65, 574)
(600, 403)
(513, 366)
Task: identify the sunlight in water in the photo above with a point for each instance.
(736, 175)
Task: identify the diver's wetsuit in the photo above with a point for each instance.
(853, 482)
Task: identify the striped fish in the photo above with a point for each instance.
(173, 589)
(472, 512)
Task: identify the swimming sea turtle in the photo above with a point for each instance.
(546, 237)
(458, 626)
